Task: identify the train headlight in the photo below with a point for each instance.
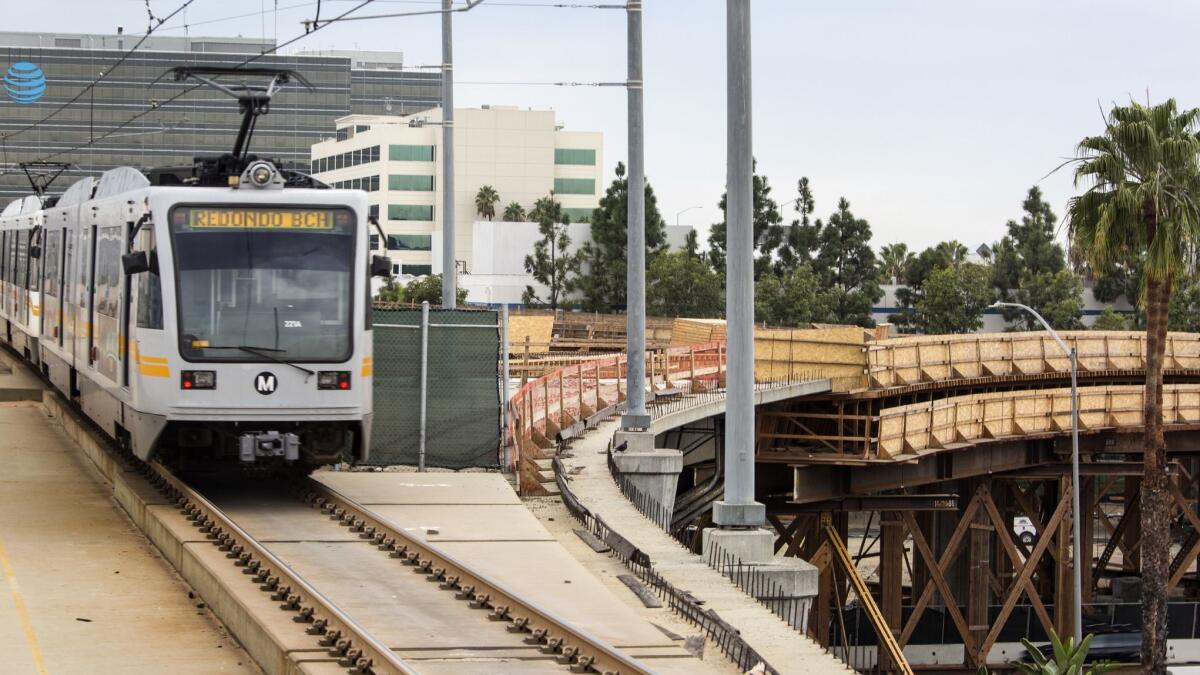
(198, 379)
(333, 379)
(261, 174)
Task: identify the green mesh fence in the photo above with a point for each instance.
(462, 426)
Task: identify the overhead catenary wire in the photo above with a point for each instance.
(155, 105)
(103, 74)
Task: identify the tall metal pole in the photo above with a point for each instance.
(635, 327)
(1076, 488)
(739, 509)
(424, 383)
(449, 270)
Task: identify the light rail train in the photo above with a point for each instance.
(199, 322)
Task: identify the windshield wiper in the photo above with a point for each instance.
(265, 352)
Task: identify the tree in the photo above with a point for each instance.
(846, 263)
(794, 299)
(916, 270)
(893, 259)
(1142, 190)
(485, 201)
(953, 299)
(680, 283)
(551, 264)
(429, 289)
(802, 235)
(514, 213)
(1030, 268)
(1185, 308)
(1111, 320)
(603, 284)
(768, 231)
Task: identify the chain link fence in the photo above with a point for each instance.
(454, 420)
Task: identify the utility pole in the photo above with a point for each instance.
(738, 509)
(449, 267)
(635, 417)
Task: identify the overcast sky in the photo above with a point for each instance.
(933, 118)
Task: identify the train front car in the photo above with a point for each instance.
(263, 353)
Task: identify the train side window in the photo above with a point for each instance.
(149, 285)
(108, 271)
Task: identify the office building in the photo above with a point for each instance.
(204, 122)
(524, 154)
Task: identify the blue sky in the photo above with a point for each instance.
(933, 118)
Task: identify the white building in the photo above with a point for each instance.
(523, 154)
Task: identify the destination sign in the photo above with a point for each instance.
(199, 218)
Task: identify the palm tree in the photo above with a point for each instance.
(954, 252)
(1143, 183)
(892, 260)
(514, 213)
(485, 201)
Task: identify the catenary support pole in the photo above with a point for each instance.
(424, 383)
(449, 270)
(739, 509)
(635, 328)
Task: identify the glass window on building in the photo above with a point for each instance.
(578, 215)
(575, 186)
(418, 270)
(581, 156)
(411, 183)
(375, 183)
(410, 153)
(373, 212)
(374, 242)
(410, 212)
(410, 242)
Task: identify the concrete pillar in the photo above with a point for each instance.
(653, 471)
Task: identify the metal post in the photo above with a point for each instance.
(449, 270)
(504, 346)
(739, 509)
(424, 382)
(1076, 488)
(635, 416)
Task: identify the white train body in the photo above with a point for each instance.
(248, 336)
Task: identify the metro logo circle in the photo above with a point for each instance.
(24, 83)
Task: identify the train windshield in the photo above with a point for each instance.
(264, 283)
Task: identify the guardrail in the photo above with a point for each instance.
(543, 408)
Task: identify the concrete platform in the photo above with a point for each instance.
(84, 591)
(502, 538)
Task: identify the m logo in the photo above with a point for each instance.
(265, 383)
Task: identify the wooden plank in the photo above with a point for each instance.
(591, 540)
(648, 598)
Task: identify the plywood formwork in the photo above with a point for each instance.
(911, 360)
(946, 423)
(837, 353)
(686, 331)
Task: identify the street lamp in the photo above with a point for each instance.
(683, 212)
(1075, 514)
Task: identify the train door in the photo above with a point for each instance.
(90, 297)
(67, 341)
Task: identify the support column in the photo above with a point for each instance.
(635, 416)
(653, 471)
(1133, 531)
(1088, 536)
(979, 563)
(891, 574)
(1064, 600)
(449, 266)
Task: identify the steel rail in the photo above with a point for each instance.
(356, 648)
(574, 647)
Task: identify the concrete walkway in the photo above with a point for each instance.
(784, 648)
(82, 590)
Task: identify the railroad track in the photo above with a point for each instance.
(348, 642)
